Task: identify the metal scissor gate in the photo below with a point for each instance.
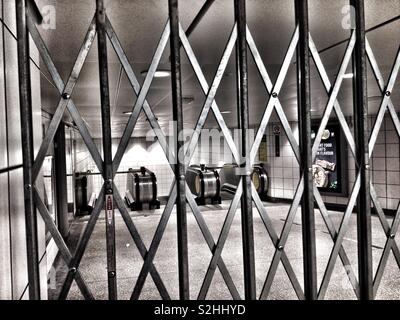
(365, 285)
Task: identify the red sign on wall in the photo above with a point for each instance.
(109, 209)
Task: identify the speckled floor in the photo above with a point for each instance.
(129, 261)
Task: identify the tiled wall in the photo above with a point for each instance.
(13, 257)
(385, 163)
(284, 170)
(386, 166)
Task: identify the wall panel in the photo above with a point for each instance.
(12, 94)
(18, 240)
(3, 127)
(5, 259)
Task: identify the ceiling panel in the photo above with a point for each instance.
(139, 25)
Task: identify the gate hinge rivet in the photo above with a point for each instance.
(280, 248)
(28, 186)
(274, 94)
(112, 274)
(388, 93)
(392, 236)
(73, 270)
(66, 96)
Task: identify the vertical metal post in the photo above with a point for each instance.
(304, 116)
(179, 165)
(362, 154)
(107, 144)
(243, 112)
(61, 181)
(27, 150)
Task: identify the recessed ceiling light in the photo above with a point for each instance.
(375, 98)
(158, 73)
(348, 76)
(187, 100)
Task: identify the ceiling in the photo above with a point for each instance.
(139, 25)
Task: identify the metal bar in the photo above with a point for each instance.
(212, 91)
(142, 95)
(81, 247)
(380, 25)
(140, 103)
(204, 9)
(333, 233)
(74, 264)
(334, 91)
(275, 240)
(205, 87)
(33, 10)
(220, 243)
(149, 257)
(274, 91)
(141, 92)
(384, 223)
(25, 95)
(59, 83)
(280, 245)
(179, 171)
(339, 238)
(381, 215)
(211, 244)
(162, 140)
(243, 112)
(386, 95)
(65, 98)
(304, 116)
(61, 180)
(62, 247)
(107, 152)
(8, 169)
(362, 154)
(84, 132)
(139, 243)
(390, 244)
(136, 86)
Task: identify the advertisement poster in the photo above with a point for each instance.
(327, 168)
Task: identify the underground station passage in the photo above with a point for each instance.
(199, 150)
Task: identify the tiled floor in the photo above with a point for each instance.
(129, 262)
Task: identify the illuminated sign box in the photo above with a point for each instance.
(330, 165)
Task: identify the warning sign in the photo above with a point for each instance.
(109, 209)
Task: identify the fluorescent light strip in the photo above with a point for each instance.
(158, 73)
